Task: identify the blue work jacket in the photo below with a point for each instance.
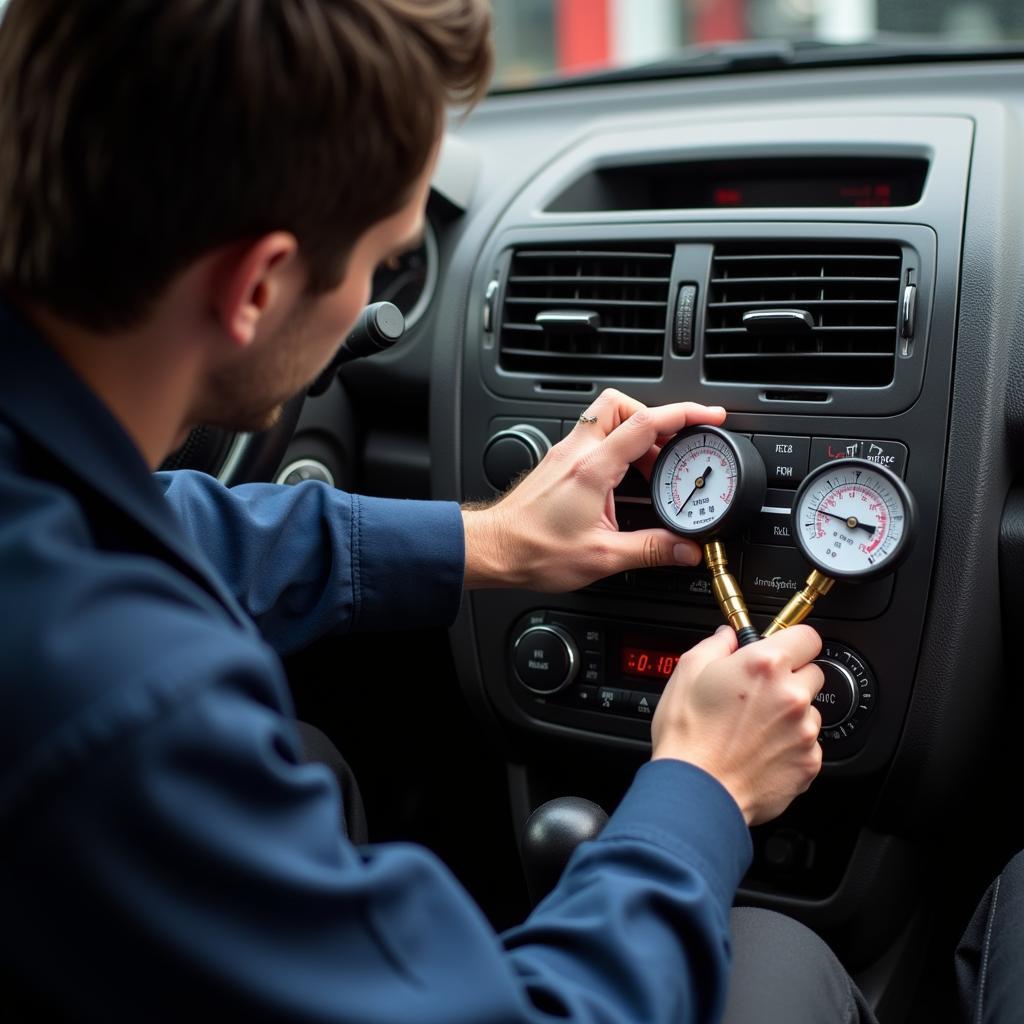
(166, 852)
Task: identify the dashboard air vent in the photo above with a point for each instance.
(814, 313)
(587, 311)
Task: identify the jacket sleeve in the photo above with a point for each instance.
(307, 560)
(186, 858)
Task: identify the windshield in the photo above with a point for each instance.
(543, 39)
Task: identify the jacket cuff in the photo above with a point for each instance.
(408, 561)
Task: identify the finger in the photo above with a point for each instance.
(636, 436)
(714, 648)
(811, 679)
(798, 645)
(815, 714)
(605, 413)
(645, 549)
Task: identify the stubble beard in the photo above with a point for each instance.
(249, 397)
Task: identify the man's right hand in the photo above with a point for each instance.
(746, 717)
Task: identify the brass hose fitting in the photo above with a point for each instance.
(727, 592)
(801, 604)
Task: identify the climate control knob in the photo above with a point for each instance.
(837, 699)
(546, 659)
(848, 695)
(512, 452)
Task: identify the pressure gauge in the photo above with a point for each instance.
(707, 483)
(854, 520)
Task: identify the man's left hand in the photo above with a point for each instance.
(556, 529)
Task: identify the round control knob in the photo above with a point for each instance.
(837, 700)
(512, 452)
(847, 700)
(546, 659)
(305, 469)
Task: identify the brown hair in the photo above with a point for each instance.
(136, 136)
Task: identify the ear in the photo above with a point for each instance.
(252, 283)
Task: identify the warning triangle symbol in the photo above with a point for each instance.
(643, 702)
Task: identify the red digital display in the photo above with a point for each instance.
(727, 196)
(830, 190)
(648, 664)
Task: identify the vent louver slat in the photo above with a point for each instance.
(546, 323)
(850, 290)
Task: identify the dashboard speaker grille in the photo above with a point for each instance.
(808, 313)
(586, 311)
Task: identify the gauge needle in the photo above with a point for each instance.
(851, 521)
(700, 482)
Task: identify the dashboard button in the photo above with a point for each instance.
(545, 658)
(643, 705)
(890, 454)
(772, 526)
(512, 452)
(592, 671)
(785, 458)
(610, 698)
(833, 449)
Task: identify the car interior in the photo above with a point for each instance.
(614, 228)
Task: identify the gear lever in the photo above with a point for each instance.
(551, 834)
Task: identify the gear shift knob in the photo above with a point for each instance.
(551, 834)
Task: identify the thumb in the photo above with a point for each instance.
(646, 549)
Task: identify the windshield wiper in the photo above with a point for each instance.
(782, 54)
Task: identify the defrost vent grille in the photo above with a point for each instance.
(587, 311)
(806, 314)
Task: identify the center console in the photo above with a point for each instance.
(598, 274)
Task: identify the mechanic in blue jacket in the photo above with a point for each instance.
(193, 198)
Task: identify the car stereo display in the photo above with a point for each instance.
(840, 191)
(806, 181)
(739, 184)
(645, 663)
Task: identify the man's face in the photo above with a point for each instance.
(248, 393)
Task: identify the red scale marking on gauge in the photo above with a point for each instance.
(712, 455)
(856, 492)
(877, 509)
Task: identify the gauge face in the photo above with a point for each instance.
(853, 519)
(696, 481)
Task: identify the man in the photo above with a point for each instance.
(987, 961)
(194, 195)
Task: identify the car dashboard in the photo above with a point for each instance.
(614, 236)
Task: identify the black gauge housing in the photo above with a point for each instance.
(751, 484)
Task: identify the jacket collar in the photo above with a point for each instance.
(42, 398)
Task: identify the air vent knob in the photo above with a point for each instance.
(512, 452)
